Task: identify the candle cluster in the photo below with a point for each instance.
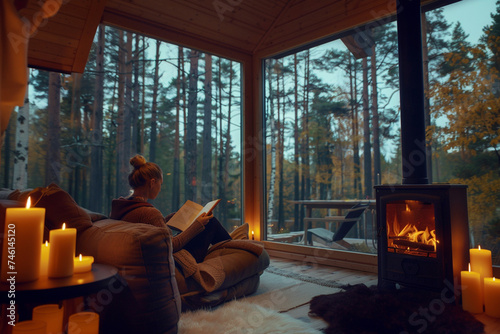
(25, 258)
(479, 287)
(49, 319)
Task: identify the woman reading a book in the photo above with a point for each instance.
(145, 180)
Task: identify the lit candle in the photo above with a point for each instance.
(83, 323)
(30, 326)
(23, 236)
(253, 235)
(472, 300)
(52, 315)
(480, 262)
(44, 259)
(83, 263)
(492, 297)
(62, 252)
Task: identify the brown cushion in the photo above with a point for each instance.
(143, 255)
(60, 208)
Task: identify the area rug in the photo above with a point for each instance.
(283, 293)
(240, 317)
(367, 310)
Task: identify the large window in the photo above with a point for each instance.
(333, 123)
(178, 107)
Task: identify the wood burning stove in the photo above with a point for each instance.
(423, 236)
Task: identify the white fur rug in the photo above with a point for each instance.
(240, 317)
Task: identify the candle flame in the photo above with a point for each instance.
(80, 257)
(64, 226)
(28, 203)
(469, 266)
(46, 243)
(479, 247)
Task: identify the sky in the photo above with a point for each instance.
(473, 15)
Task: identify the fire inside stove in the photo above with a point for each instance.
(411, 228)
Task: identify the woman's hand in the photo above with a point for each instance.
(204, 218)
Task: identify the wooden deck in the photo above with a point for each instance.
(343, 276)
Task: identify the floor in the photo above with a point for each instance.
(338, 276)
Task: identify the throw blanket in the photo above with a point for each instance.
(210, 273)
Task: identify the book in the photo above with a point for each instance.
(189, 212)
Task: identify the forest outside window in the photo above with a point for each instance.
(333, 127)
(178, 107)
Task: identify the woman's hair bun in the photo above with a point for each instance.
(137, 161)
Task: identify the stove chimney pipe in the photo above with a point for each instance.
(411, 78)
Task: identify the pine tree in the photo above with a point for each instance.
(191, 140)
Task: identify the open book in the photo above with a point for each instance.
(188, 213)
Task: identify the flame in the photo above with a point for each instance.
(411, 233)
(28, 203)
(80, 257)
(64, 226)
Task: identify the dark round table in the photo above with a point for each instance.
(52, 289)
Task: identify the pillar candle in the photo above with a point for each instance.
(52, 315)
(62, 252)
(83, 263)
(83, 323)
(23, 236)
(492, 297)
(472, 300)
(44, 259)
(30, 326)
(480, 262)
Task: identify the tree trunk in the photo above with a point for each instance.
(219, 162)
(20, 177)
(154, 106)
(176, 189)
(377, 172)
(355, 127)
(121, 150)
(224, 209)
(96, 135)
(427, 108)
(296, 175)
(143, 111)
(281, 133)
(367, 151)
(307, 158)
(272, 172)
(306, 181)
(190, 145)
(53, 163)
(127, 116)
(206, 168)
(134, 144)
(76, 127)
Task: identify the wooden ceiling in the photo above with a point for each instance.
(236, 29)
